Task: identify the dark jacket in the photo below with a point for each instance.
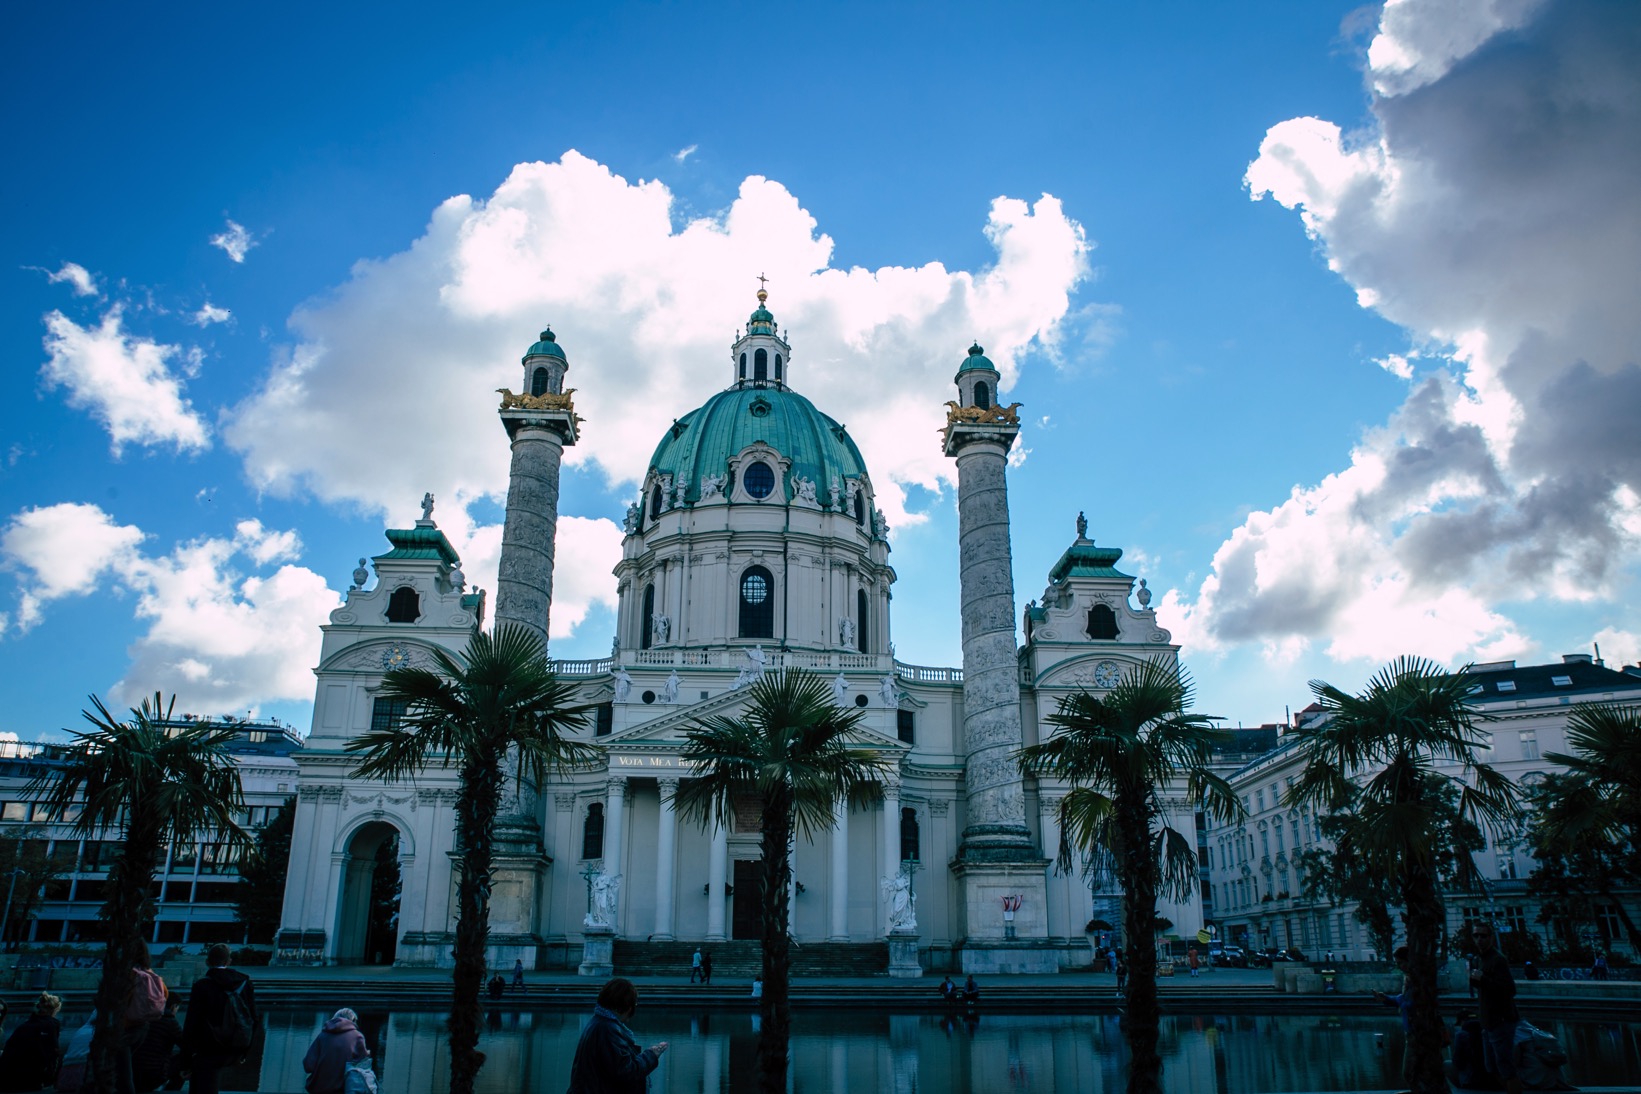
(29, 1060)
(206, 1004)
(327, 1060)
(608, 1059)
(1495, 991)
(151, 1060)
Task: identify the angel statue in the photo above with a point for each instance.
(902, 902)
(604, 890)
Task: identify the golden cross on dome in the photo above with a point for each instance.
(761, 280)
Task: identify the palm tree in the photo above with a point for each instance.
(1122, 752)
(1590, 814)
(1385, 760)
(499, 693)
(153, 781)
(788, 751)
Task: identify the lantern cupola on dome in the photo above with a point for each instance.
(761, 357)
(545, 366)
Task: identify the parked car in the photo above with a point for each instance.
(1263, 959)
(1230, 955)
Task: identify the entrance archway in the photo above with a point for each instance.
(367, 927)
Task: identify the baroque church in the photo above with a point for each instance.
(756, 544)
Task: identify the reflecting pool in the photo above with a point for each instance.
(838, 1051)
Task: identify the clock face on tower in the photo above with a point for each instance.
(395, 657)
(1106, 674)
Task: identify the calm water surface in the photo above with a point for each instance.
(853, 1051)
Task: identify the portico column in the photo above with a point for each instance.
(666, 841)
(840, 873)
(717, 863)
(891, 825)
(615, 808)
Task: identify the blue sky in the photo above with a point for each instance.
(1386, 408)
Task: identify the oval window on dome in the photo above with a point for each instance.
(760, 480)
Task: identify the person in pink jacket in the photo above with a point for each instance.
(338, 1043)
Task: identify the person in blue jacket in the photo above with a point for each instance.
(607, 1058)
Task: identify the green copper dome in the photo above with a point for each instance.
(702, 441)
(546, 347)
(976, 359)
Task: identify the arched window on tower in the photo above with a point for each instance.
(909, 836)
(777, 368)
(860, 507)
(592, 832)
(743, 366)
(757, 603)
(760, 366)
(1102, 622)
(404, 606)
(538, 382)
(860, 619)
(982, 395)
(647, 635)
(655, 502)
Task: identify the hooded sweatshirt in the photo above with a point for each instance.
(327, 1059)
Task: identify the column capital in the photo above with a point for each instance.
(616, 785)
(668, 787)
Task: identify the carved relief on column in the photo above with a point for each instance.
(939, 807)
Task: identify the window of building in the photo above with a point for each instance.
(759, 479)
(592, 832)
(1276, 830)
(1295, 823)
(538, 382)
(1608, 922)
(1562, 681)
(982, 395)
(404, 606)
(906, 726)
(655, 502)
(1259, 796)
(777, 368)
(1515, 919)
(184, 857)
(1102, 622)
(860, 619)
(1265, 844)
(603, 719)
(743, 366)
(386, 714)
(15, 811)
(647, 625)
(757, 605)
(909, 836)
(1529, 744)
(1507, 685)
(760, 366)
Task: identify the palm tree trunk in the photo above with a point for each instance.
(1141, 1013)
(476, 811)
(776, 1006)
(127, 912)
(1423, 915)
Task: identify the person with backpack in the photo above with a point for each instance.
(30, 1057)
(221, 1021)
(154, 1061)
(144, 1004)
(338, 1044)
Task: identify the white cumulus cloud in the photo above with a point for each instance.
(76, 276)
(124, 380)
(234, 241)
(1492, 212)
(645, 312)
(685, 153)
(209, 313)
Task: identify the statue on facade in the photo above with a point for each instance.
(669, 690)
(678, 498)
(1082, 526)
(629, 523)
(623, 684)
(902, 901)
(880, 525)
(834, 491)
(602, 913)
(889, 691)
(712, 485)
(661, 626)
(753, 670)
(427, 506)
(665, 482)
(840, 688)
(804, 489)
(846, 633)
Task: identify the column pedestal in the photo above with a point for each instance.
(598, 953)
(903, 962)
(989, 946)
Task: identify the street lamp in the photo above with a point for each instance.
(5, 918)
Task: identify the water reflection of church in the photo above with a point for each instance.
(756, 544)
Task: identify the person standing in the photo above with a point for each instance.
(695, 966)
(706, 967)
(1122, 972)
(222, 1018)
(30, 1057)
(154, 1061)
(1496, 1002)
(1598, 968)
(518, 975)
(607, 1058)
(1403, 1002)
(1191, 960)
(338, 1044)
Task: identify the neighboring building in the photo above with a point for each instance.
(756, 544)
(1256, 888)
(194, 887)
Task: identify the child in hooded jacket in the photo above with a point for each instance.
(338, 1044)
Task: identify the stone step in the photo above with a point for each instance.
(742, 959)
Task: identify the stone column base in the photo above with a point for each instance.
(990, 956)
(903, 960)
(598, 952)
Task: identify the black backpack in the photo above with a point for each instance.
(234, 1025)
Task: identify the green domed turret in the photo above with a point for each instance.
(546, 347)
(762, 321)
(976, 359)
